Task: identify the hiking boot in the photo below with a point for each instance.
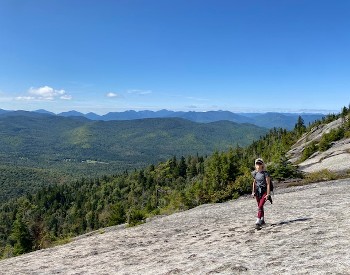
(257, 226)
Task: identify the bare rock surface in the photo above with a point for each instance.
(335, 159)
(308, 232)
(315, 134)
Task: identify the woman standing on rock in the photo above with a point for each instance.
(261, 190)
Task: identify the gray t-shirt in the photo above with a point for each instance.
(260, 179)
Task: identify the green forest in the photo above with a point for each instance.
(60, 211)
(37, 149)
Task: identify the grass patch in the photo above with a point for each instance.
(62, 241)
(322, 175)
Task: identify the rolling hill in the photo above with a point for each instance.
(40, 145)
(31, 137)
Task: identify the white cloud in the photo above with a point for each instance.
(111, 94)
(45, 93)
(139, 92)
(66, 97)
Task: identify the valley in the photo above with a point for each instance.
(55, 149)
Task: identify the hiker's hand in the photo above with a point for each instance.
(253, 195)
(267, 197)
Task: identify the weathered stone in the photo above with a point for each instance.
(335, 159)
(307, 232)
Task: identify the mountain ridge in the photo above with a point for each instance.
(267, 120)
(78, 147)
(62, 129)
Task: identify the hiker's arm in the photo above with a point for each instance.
(253, 188)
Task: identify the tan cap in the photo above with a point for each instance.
(259, 161)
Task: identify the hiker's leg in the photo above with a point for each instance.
(258, 202)
(261, 203)
(258, 221)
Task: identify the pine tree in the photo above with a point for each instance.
(300, 126)
(21, 236)
(182, 167)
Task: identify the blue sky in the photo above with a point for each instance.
(111, 55)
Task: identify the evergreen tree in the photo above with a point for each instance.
(21, 236)
(182, 167)
(344, 112)
(299, 127)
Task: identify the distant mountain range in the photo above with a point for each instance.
(267, 120)
(75, 143)
(38, 148)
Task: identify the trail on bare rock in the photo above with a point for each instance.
(308, 232)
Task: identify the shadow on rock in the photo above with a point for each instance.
(291, 221)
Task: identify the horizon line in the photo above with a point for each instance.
(257, 111)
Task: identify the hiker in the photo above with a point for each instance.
(261, 189)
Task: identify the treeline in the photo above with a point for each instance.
(61, 211)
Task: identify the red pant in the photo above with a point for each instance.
(261, 201)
